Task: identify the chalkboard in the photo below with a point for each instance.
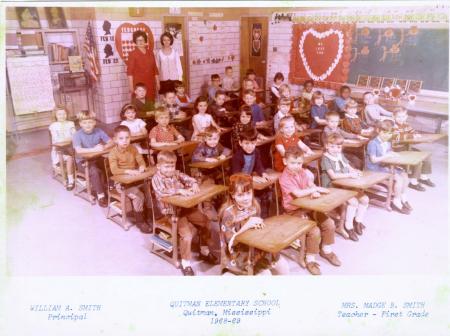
(412, 53)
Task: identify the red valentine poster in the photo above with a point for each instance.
(321, 52)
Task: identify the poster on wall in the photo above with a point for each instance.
(321, 52)
(256, 39)
(176, 31)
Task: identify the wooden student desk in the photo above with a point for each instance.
(406, 158)
(125, 181)
(206, 192)
(87, 157)
(180, 120)
(278, 233)
(138, 138)
(412, 139)
(366, 181)
(212, 165)
(326, 202)
(174, 147)
(307, 159)
(355, 143)
(266, 141)
(309, 131)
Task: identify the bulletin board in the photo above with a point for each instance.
(30, 84)
(412, 53)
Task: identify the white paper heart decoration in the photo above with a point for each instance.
(320, 36)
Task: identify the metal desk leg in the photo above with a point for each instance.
(251, 253)
(62, 167)
(276, 198)
(390, 187)
(123, 200)
(223, 174)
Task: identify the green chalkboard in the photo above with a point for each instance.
(411, 53)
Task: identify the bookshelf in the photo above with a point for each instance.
(60, 44)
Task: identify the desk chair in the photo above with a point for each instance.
(81, 185)
(186, 154)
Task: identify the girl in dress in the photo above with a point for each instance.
(202, 120)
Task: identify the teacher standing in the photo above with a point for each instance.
(169, 64)
(142, 66)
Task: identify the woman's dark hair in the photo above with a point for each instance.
(139, 33)
(169, 35)
(278, 75)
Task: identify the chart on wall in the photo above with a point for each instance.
(30, 83)
(412, 53)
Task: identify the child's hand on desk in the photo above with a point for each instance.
(267, 177)
(211, 159)
(355, 174)
(221, 157)
(99, 147)
(360, 137)
(132, 172)
(195, 188)
(315, 194)
(141, 169)
(185, 192)
(254, 223)
(322, 190)
(259, 179)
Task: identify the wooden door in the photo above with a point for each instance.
(178, 27)
(254, 38)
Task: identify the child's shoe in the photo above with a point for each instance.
(357, 226)
(313, 268)
(331, 257)
(103, 202)
(352, 234)
(187, 271)
(417, 186)
(427, 182)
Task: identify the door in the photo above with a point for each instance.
(176, 25)
(254, 38)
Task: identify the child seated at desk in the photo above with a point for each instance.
(335, 166)
(228, 83)
(201, 120)
(164, 133)
(251, 75)
(126, 159)
(181, 98)
(61, 130)
(287, 137)
(342, 100)
(243, 124)
(142, 104)
(171, 104)
(308, 87)
(332, 119)
(247, 159)
(352, 123)
(212, 89)
(258, 118)
(136, 126)
(380, 148)
(295, 181)
(278, 80)
(374, 112)
(168, 181)
(210, 150)
(318, 110)
(89, 139)
(218, 110)
(241, 212)
(402, 130)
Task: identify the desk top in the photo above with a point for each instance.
(310, 158)
(174, 147)
(62, 144)
(209, 165)
(206, 192)
(326, 202)
(278, 233)
(264, 185)
(424, 138)
(129, 179)
(354, 143)
(309, 131)
(267, 141)
(180, 120)
(93, 155)
(137, 138)
(367, 180)
(407, 158)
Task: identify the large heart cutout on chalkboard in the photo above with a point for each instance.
(123, 38)
(321, 52)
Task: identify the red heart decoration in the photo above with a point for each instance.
(124, 38)
(320, 53)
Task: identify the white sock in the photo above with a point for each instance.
(424, 176)
(185, 263)
(204, 250)
(327, 249)
(413, 181)
(397, 202)
(349, 216)
(310, 258)
(100, 195)
(361, 212)
(404, 198)
(70, 179)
